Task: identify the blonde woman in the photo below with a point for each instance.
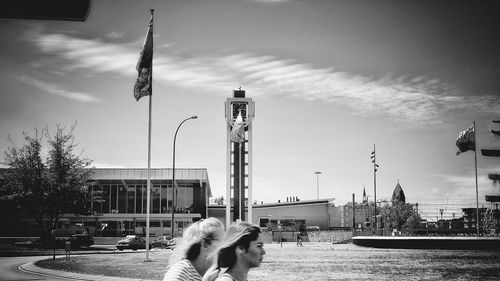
(242, 249)
(189, 260)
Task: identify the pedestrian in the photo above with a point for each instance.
(242, 249)
(190, 258)
(299, 240)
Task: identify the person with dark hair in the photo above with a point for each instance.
(299, 240)
(241, 249)
(190, 258)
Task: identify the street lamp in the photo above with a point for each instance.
(173, 173)
(317, 173)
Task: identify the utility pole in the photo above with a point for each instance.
(375, 166)
(353, 215)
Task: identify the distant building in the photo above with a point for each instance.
(469, 218)
(312, 212)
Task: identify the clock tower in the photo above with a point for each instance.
(239, 112)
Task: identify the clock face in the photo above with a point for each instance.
(237, 107)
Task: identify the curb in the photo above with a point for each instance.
(59, 252)
(33, 269)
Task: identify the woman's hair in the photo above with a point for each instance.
(239, 234)
(201, 233)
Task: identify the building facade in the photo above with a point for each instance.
(120, 198)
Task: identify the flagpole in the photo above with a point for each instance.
(475, 165)
(148, 190)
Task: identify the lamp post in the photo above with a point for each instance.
(317, 173)
(173, 173)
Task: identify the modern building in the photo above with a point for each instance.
(120, 201)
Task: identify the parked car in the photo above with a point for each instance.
(164, 242)
(133, 242)
(81, 240)
(313, 228)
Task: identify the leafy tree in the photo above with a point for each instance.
(400, 216)
(45, 188)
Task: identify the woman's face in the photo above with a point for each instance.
(254, 255)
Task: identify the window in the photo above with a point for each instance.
(138, 199)
(106, 196)
(263, 222)
(122, 199)
(155, 198)
(131, 199)
(98, 199)
(185, 198)
(165, 194)
(144, 198)
(114, 198)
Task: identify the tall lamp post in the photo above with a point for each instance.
(317, 173)
(173, 173)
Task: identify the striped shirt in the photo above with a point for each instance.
(182, 270)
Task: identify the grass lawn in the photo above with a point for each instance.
(314, 261)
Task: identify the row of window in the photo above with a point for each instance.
(132, 199)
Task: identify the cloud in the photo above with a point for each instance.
(270, 1)
(418, 100)
(115, 35)
(56, 90)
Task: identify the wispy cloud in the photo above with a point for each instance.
(270, 1)
(57, 90)
(115, 35)
(417, 100)
(463, 185)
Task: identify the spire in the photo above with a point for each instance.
(398, 196)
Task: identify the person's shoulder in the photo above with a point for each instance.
(182, 270)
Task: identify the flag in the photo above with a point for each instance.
(466, 140)
(238, 130)
(143, 85)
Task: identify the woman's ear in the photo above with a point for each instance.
(240, 250)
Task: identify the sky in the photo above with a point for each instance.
(330, 79)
